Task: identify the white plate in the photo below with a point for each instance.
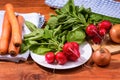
(85, 50)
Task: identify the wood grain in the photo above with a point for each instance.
(29, 70)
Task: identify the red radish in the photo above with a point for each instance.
(96, 39)
(50, 57)
(102, 32)
(75, 44)
(72, 57)
(105, 24)
(71, 49)
(61, 58)
(91, 30)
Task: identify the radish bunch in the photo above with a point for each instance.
(70, 52)
(97, 32)
(60, 57)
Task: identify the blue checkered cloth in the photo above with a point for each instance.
(105, 7)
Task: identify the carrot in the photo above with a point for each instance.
(17, 38)
(13, 50)
(21, 23)
(5, 35)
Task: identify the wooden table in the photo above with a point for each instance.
(29, 70)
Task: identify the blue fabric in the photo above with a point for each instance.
(105, 7)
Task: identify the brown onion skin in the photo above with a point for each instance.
(101, 57)
(115, 33)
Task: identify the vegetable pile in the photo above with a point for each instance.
(11, 36)
(70, 26)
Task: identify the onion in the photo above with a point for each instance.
(101, 57)
(115, 33)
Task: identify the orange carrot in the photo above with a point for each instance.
(13, 50)
(5, 35)
(17, 38)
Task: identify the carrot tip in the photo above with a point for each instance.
(12, 53)
(17, 45)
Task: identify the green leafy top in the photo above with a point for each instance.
(68, 25)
